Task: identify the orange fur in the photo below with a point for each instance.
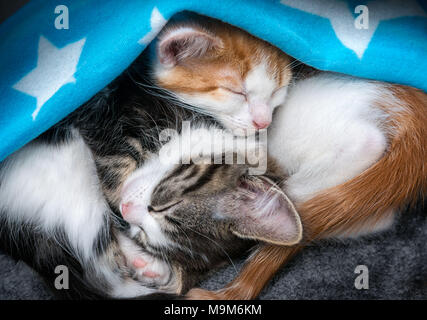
(225, 65)
(258, 270)
(399, 178)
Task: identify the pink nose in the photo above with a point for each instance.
(260, 113)
(125, 208)
(261, 124)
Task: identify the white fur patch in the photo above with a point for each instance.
(55, 187)
(367, 227)
(259, 84)
(327, 132)
(138, 189)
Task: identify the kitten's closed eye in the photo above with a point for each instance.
(235, 77)
(163, 208)
(130, 210)
(237, 91)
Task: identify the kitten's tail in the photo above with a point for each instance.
(398, 178)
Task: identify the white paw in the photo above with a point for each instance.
(147, 268)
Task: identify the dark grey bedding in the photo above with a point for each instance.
(396, 260)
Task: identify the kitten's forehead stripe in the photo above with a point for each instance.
(204, 178)
(192, 172)
(179, 170)
(162, 185)
(190, 177)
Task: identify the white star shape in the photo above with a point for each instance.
(156, 22)
(55, 68)
(342, 19)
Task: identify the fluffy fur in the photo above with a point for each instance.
(84, 162)
(355, 153)
(222, 70)
(204, 212)
(53, 212)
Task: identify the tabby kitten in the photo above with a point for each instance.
(72, 176)
(205, 65)
(197, 216)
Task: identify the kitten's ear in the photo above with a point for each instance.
(266, 213)
(178, 44)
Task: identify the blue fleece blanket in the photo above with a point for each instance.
(53, 57)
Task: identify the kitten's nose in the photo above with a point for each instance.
(261, 124)
(125, 208)
(260, 113)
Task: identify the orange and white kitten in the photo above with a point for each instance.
(222, 71)
(354, 152)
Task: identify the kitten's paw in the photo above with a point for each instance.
(144, 266)
(149, 269)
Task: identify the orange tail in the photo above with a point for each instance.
(257, 271)
(397, 179)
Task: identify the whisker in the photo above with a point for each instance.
(216, 243)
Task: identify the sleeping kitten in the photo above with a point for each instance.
(186, 219)
(354, 152)
(220, 70)
(57, 193)
(197, 216)
(200, 64)
(117, 130)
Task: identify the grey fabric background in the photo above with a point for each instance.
(396, 259)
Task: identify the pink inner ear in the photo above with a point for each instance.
(181, 43)
(267, 214)
(166, 53)
(278, 217)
